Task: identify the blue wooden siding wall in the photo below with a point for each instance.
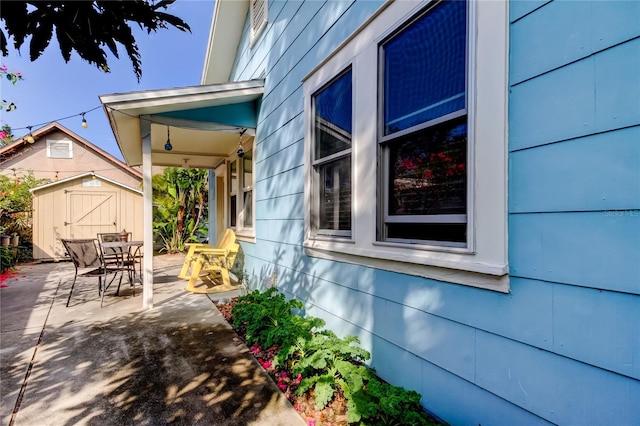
(564, 346)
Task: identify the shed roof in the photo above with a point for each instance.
(83, 175)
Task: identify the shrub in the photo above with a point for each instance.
(7, 261)
(325, 362)
(269, 321)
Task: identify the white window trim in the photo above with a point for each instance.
(243, 233)
(61, 141)
(485, 262)
(256, 31)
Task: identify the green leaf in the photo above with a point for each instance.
(324, 391)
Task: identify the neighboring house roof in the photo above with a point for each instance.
(83, 175)
(224, 37)
(13, 149)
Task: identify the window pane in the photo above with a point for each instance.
(247, 169)
(233, 177)
(454, 232)
(427, 171)
(333, 106)
(424, 68)
(233, 210)
(248, 209)
(335, 195)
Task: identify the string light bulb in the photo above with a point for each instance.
(84, 121)
(29, 138)
(168, 146)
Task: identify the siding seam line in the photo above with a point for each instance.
(573, 138)
(582, 58)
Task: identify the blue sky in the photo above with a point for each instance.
(52, 89)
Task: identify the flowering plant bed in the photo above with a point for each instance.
(322, 375)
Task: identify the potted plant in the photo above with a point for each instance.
(15, 239)
(4, 239)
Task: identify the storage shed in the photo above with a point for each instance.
(81, 207)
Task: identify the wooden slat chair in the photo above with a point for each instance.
(213, 265)
(227, 238)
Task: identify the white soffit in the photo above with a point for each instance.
(224, 38)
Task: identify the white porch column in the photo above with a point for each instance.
(147, 196)
(213, 222)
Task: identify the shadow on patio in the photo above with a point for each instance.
(178, 363)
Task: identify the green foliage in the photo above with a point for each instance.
(7, 261)
(384, 404)
(180, 196)
(325, 362)
(328, 362)
(16, 204)
(269, 320)
(84, 27)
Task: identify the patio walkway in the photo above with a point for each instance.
(178, 363)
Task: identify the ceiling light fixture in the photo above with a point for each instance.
(168, 146)
(240, 150)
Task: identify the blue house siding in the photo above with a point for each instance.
(563, 346)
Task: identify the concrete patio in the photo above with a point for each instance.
(179, 363)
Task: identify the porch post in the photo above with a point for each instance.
(213, 222)
(147, 212)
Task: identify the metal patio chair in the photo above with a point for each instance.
(90, 262)
(118, 257)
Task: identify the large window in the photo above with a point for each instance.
(332, 116)
(406, 150)
(424, 129)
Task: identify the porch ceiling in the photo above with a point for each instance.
(204, 122)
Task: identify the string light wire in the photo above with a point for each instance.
(81, 114)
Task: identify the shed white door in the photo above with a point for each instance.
(89, 213)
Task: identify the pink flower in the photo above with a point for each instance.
(282, 386)
(311, 422)
(283, 375)
(265, 364)
(3, 134)
(298, 379)
(255, 349)
(297, 407)
(4, 67)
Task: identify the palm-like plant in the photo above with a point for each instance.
(179, 195)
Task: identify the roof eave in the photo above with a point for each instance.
(224, 38)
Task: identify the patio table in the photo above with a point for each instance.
(133, 251)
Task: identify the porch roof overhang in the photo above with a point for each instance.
(203, 122)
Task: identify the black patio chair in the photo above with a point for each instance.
(118, 257)
(86, 254)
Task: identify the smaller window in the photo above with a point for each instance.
(332, 127)
(247, 188)
(258, 13)
(233, 192)
(240, 182)
(59, 149)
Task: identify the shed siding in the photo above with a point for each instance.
(564, 346)
(52, 209)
